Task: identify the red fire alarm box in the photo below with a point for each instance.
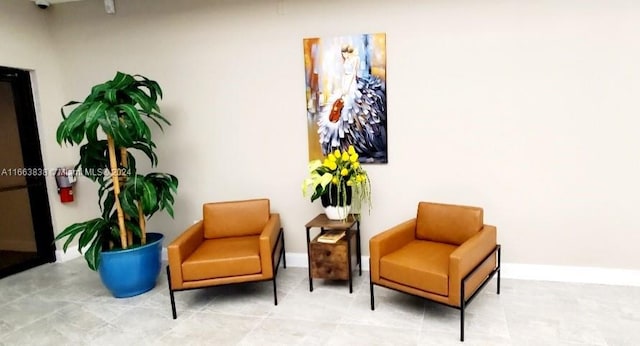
(65, 179)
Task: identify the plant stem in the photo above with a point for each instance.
(124, 162)
(143, 225)
(116, 190)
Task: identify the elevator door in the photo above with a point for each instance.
(26, 233)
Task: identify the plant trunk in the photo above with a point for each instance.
(143, 225)
(124, 162)
(116, 190)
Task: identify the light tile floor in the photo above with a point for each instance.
(65, 304)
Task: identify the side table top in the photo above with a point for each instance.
(322, 221)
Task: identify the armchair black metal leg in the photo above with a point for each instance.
(173, 301)
(499, 260)
(461, 324)
(462, 306)
(275, 291)
(372, 302)
(276, 264)
(284, 254)
(371, 287)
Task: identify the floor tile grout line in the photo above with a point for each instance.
(262, 319)
(169, 330)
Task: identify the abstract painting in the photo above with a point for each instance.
(345, 79)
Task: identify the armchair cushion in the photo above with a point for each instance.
(388, 241)
(446, 223)
(223, 257)
(420, 264)
(235, 219)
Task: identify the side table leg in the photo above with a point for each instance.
(309, 261)
(349, 262)
(359, 249)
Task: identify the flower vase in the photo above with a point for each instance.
(337, 202)
(337, 212)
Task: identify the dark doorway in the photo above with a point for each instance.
(26, 232)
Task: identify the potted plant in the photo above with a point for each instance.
(340, 182)
(112, 124)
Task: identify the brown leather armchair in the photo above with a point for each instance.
(443, 254)
(235, 242)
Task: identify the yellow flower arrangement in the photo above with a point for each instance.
(339, 176)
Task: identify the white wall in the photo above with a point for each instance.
(526, 108)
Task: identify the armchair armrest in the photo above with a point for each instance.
(468, 255)
(268, 239)
(181, 248)
(388, 242)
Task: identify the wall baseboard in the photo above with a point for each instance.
(592, 275)
(72, 253)
(535, 272)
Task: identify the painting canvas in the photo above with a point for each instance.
(346, 94)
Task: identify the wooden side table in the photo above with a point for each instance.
(352, 228)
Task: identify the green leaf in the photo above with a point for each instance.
(134, 227)
(149, 200)
(169, 209)
(122, 80)
(70, 232)
(91, 132)
(153, 86)
(141, 129)
(147, 150)
(77, 135)
(92, 228)
(127, 202)
(94, 160)
(141, 98)
(317, 193)
(93, 254)
(137, 185)
(98, 91)
(68, 125)
(155, 121)
(87, 231)
(95, 111)
(105, 188)
(70, 103)
(107, 205)
(111, 96)
(111, 125)
(115, 231)
(165, 185)
(131, 165)
(159, 116)
(166, 198)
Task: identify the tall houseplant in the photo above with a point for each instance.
(339, 181)
(112, 124)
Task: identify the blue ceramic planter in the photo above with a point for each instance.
(128, 273)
